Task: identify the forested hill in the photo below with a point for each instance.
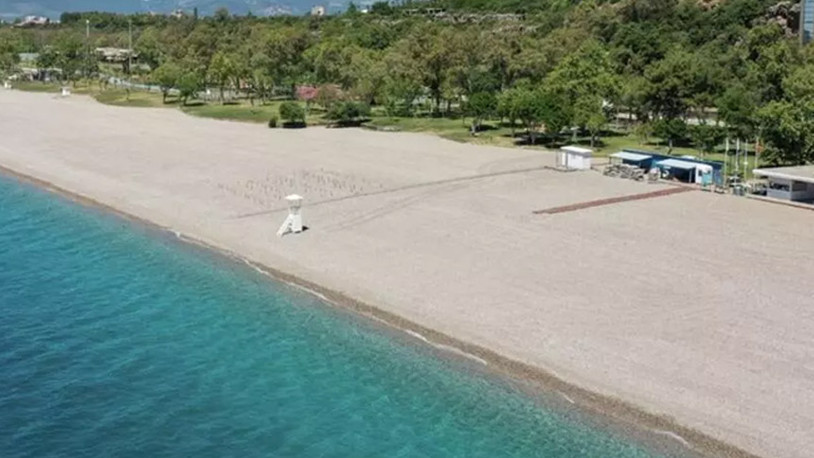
(555, 64)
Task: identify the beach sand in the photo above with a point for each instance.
(694, 307)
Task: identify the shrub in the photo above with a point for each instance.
(273, 121)
(346, 113)
(292, 113)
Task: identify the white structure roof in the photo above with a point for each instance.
(804, 173)
(677, 164)
(577, 150)
(628, 156)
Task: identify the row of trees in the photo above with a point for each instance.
(678, 69)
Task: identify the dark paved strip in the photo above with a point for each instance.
(611, 201)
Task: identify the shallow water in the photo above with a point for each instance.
(118, 341)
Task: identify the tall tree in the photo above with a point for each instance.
(166, 76)
(587, 85)
(480, 106)
(221, 70)
(434, 52)
(189, 84)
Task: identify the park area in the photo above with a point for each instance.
(690, 309)
(490, 131)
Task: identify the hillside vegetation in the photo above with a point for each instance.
(687, 73)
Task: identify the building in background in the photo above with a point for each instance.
(795, 184)
(318, 10)
(33, 21)
(806, 21)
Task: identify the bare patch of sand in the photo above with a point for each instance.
(693, 306)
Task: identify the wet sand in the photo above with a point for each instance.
(692, 311)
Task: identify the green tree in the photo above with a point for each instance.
(261, 79)
(480, 106)
(433, 51)
(221, 70)
(149, 47)
(787, 125)
(586, 85)
(70, 54)
(668, 85)
(222, 14)
(535, 108)
(9, 48)
(769, 59)
(589, 113)
(189, 84)
(788, 132)
(707, 138)
(670, 129)
(737, 108)
(166, 76)
(401, 84)
(8, 63)
(381, 8)
(286, 49)
(47, 59)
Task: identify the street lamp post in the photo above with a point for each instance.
(129, 56)
(130, 49)
(87, 48)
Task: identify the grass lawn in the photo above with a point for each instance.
(237, 112)
(613, 142)
(244, 111)
(110, 96)
(453, 129)
(80, 87)
(36, 86)
(120, 98)
(457, 129)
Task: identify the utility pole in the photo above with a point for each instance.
(130, 49)
(87, 48)
(129, 56)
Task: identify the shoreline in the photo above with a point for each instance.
(539, 379)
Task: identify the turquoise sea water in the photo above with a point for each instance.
(117, 341)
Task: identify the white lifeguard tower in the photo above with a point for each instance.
(66, 91)
(293, 223)
(574, 158)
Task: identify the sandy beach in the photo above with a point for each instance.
(693, 307)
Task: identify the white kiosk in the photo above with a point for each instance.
(7, 84)
(293, 223)
(574, 158)
(66, 91)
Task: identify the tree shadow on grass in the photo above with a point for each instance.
(486, 128)
(195, 103)
(343, 124)
(523, 139)
(294, 125)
